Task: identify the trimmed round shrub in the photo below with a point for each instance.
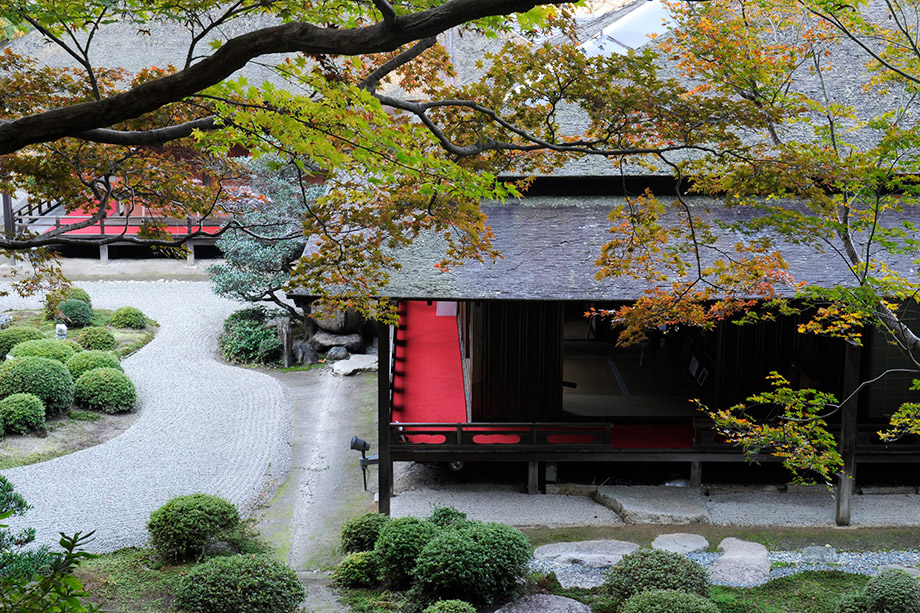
(129, 317)
(77, 348)
(358, 569)
(22, 413)
(46, 378)
(90, 360)
(97, 337)
(10, 337)
(105, 389)
(54, 298)
(398, 545)
(75, 313)
(480, 562)
(649, 569)
(254, 314)
(44, 348)
(450, 606)
(184, 526)
(668, 601)
(891, 591)
(240, 584)
(445, 517)
(360, 533)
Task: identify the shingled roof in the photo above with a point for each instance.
(550, 246)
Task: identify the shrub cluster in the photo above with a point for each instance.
(361, 532)
(240, 583)
(400, 542)
(184, 526)
(89, 360)
(21, 413)
(75, 313)
(44, 348)
(10, 337)
(97, 337)
(891, 591)
(129, 317)
(105, 389)
(246, 339)
(46, 378)
(55, 297)
(649, 569)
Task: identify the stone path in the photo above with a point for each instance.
(204, 426)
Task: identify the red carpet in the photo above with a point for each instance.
(116, 225)
(428, 382)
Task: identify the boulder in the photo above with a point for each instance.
(681, 543)
(5, 319)
(354, 365)
(544, 603)
(337, 353)
(743, 563)
(304, 353)
(910, 570)
(324, 341)
(573, 577)
(337, 321)
(596, 554)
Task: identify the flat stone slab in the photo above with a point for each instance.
(595, 554)
(574, 578)
(647, 504)
(680, 542)
(820, 555)
(544, 603)
(742, 563)
(910, 570)
(357, 363)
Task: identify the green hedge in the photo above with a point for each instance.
(649, 569)
(46, 378)
(105, 389)
(44, 348)
(54, 298)
(361, 532)
(400, 542)
(21, 413)
(184, 526)
(129, 317)
(668, 601)
(97, 337)
(10, 337)
(89, 360)
(75, 313)
(358, 569)
(450, 606)
(240, 584)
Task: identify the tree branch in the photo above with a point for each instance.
(236, 53)
(372, 80)
(148, 138)
(386, 11)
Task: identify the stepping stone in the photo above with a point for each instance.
(647, 504)
(355, 364)
(576, 578)
(910, 570)
(743, 563)
(680, 542)
(820, 555)
(595, 554)
(544, 603)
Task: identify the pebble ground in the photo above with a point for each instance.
(204, 426)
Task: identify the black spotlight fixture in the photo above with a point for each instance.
(359, 444)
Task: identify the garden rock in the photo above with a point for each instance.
(5, 319)
(304, 353)
(573, 577)
(743, 563)
(681, 543)
(544, 603)
(354, 365)
(337, 353)
(336, 321)
(645, 504)
(324, 341)
(910, 570)
(820, 555)
(595, 554)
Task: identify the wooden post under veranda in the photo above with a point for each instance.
(846, 478)
(385, 464)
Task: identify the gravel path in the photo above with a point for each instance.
(203, 426)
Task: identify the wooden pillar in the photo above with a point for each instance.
(9, 222)
(385, 465)
(696, 474)
(533, 477)
(190, 254)
(847, 443)
(104, 254)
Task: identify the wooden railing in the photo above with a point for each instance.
(188, 224)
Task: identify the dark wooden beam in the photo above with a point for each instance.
(847, 443)
(385, 465)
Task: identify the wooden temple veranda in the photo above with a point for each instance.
(496, 362)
